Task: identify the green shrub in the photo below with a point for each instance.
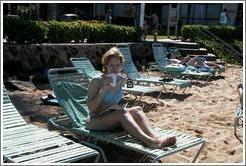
(93, 31)
(63, 32)
(238, 45)
(192, 31)
(219, 50)
(23, 31)
(226, 33)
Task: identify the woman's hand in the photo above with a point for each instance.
(116, 107)
(106, 83)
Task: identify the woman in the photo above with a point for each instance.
(197, 61)
(107, 114)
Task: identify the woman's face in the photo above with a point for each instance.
(114, 66)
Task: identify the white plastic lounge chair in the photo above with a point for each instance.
(219, 70)
(85, 64)
(131, 71)
(27, 143)
(69, 91)
(238, 118)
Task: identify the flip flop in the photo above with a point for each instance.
(49, 100)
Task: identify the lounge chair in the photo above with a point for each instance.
(69, 91)
(238, 118)
(131, 71)
(219, 70)
(85, 64)
(177, 70)
(27, 143)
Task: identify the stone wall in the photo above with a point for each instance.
(40, 57)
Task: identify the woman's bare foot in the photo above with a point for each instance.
(155, 145)
(163, 142)
(169, 141)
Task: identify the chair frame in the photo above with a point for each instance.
(238, 118)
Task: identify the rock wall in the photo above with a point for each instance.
(40, 57)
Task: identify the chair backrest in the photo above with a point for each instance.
(68, 74)
(129, 67)
(11, 116)
(160, 55)
(70, 87)
(85, 64)
(175, 51)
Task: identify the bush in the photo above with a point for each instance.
(63, 31)
(238, 45)
(218, 50)
(191, 31)
(226, 33)
(23, 31)
(93, 31)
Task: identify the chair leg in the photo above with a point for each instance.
(97, 148)
(159, 95)
(97, 159)
(184, 90)
(174, 89)
(198, 152)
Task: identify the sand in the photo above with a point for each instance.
(205, 110)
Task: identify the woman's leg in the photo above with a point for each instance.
(124, 118)
(211, 64)
(144, 123)
(196, 61)
(141, 119)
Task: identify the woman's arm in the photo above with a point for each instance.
(95, 94)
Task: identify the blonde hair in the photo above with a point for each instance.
(113, 52)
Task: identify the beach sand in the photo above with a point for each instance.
(205, 110)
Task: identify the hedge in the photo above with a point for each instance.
(21, 31)
(229, 34)
(25, 31)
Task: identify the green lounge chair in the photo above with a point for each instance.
(131, 71)
(69, 91)
(176, 70)
(27, 143)
(85, 64)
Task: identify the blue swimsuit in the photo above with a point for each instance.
(110, 98)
